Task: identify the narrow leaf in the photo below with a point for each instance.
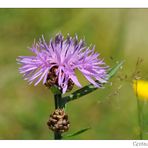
(114, 70)
(90, 88)
(77, 133)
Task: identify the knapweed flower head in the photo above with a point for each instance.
(55, 62)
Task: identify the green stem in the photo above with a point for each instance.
(140, 119)
(140, 115)
(58, 104)
(58, 101)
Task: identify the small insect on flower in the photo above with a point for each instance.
(55, 63)
(141, 88)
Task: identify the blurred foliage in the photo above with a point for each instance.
(111, 112)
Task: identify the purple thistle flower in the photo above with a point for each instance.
(59, 59)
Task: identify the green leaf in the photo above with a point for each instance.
(114, 70)
(77, 133)
(90, 88)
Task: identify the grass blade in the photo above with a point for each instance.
(77, 133)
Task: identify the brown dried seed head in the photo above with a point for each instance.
(64, 122)
(70, 85)
(54, 116)
(58, 121)
(52, 79)
(60, 117)
(54, 120)
(56, 126)
(60, 125)
(61, 112)
(56, 112)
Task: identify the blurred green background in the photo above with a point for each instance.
(111, 112)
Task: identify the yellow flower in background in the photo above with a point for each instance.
(141, 88)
